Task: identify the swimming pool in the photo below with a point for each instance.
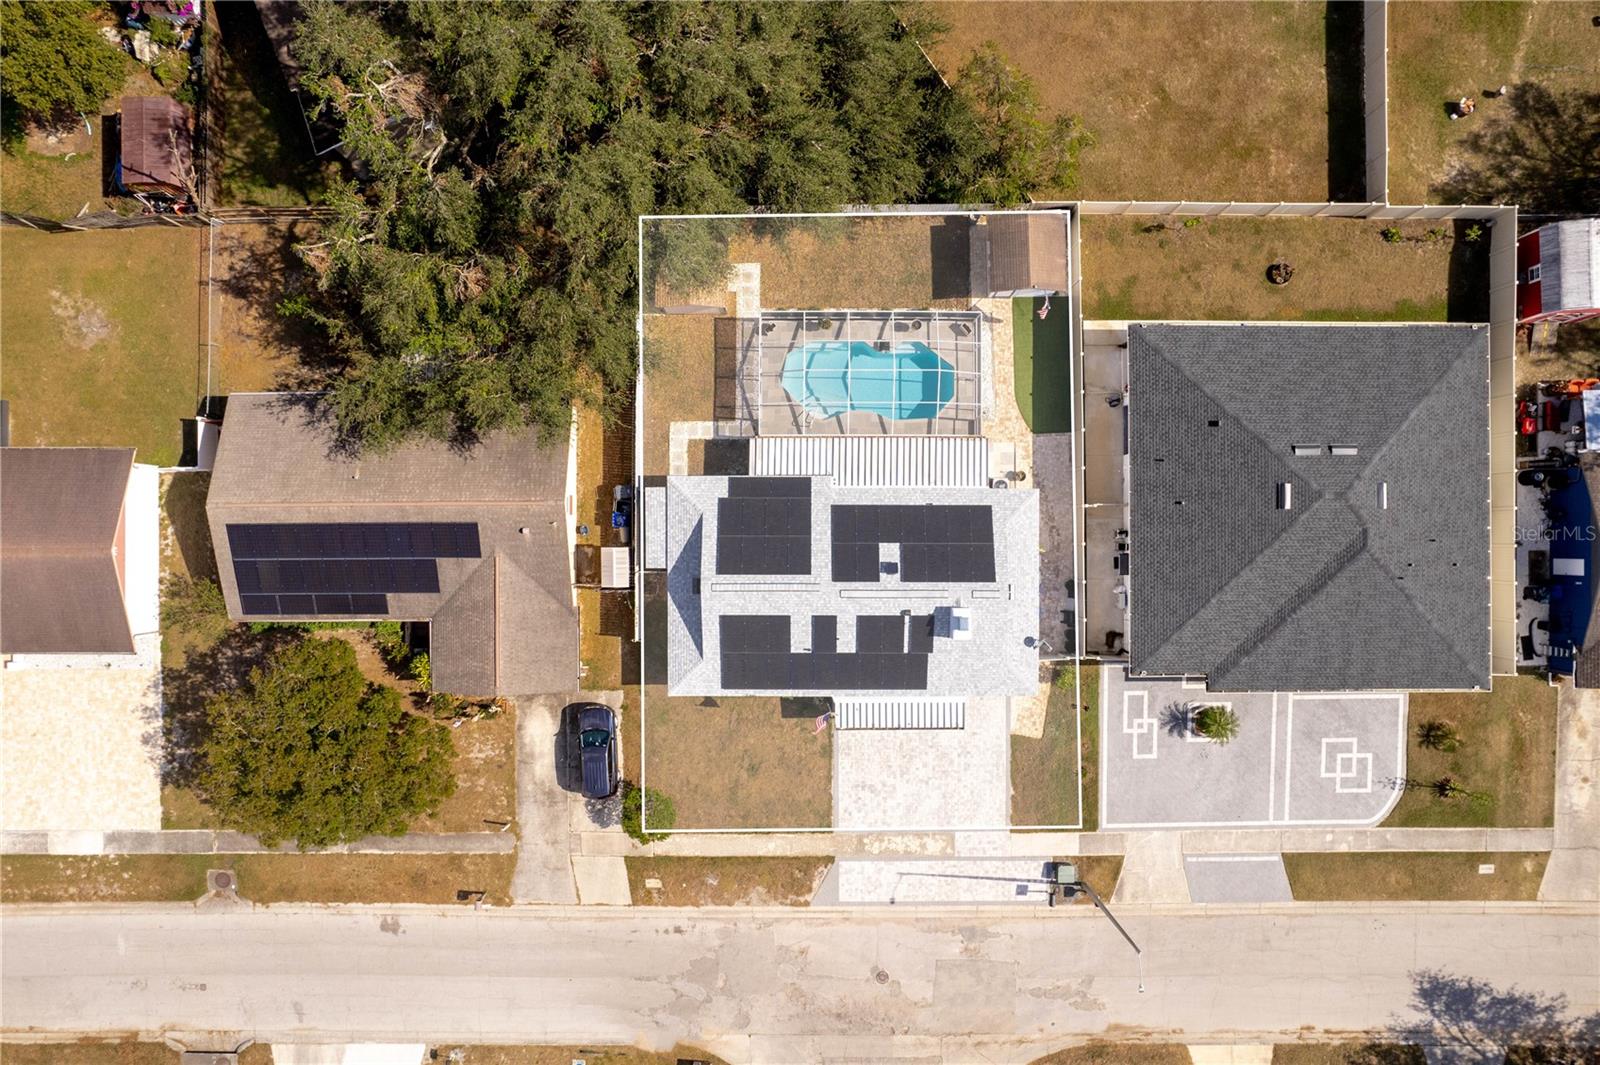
(830, 377)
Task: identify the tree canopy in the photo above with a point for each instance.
(52, 60)
(480, 272)
(308, 750)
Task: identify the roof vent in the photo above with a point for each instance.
(1383, 495)
(1214, 423)
(1307, 450)
(1285, 495)
(1343, 449)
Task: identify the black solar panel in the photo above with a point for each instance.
(399, 539)
(302, 569)
(756, 654)
(764, 527)
(938, 543)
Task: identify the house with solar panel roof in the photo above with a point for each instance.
(476, 544)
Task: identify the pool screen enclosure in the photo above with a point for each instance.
(850, 372)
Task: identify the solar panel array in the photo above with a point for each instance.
(764, 527)
(938, 543)
(341, 568)
(891, 654)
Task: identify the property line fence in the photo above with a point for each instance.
(1375, 95)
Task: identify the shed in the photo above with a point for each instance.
(1027, 253)
(1558, 272)
(156, 150)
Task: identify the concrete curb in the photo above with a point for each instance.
(205, 841)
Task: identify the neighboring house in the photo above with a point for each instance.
(64, 550)
(156, 145)
(1309, 505)
(1558, 272)
(477, 543)
(80, 640)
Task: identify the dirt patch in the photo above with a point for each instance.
(83, 323)
(70, 139)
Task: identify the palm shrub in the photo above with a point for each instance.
(1438, 735)
(1217, 724)
(663, 815)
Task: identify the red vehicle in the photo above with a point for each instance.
(1527, 421)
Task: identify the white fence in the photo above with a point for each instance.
(1375, 95)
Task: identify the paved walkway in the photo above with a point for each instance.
(1574, 869)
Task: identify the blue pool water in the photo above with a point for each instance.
(829, 377)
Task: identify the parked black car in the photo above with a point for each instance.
(597, 747)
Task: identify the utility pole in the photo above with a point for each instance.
(1066, 880)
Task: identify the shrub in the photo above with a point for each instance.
(1217, 724)
(1472, 234)
(162, 33)
(446, 706)
(308, 750)
(662, 813)
(171, 67)
(1191, 222)
(1438, 735)
(196, 606)
(52, 60)
(422, 670)
(1392, 235)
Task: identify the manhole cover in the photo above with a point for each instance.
(881, 976)
(220, 879)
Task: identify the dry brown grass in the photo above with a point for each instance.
(726, 881)
(739, 762)
(605, 619)
(1203, 101)
(1506, 755)
(680, 381)
(1431, 876)
(1119, 1054)
(1215, 270)
(1440, 52)
(87, 1052)
(257, 349)
(858, 263)
(486, 777)
(262, 878)
(1346, 1054)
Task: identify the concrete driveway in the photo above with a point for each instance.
(1301, 758)
(551, 808)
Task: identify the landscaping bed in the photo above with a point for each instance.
(1119, 1054)
(1403, 875)
(87, 1052)
(1045, 771)
(1501, 767)
(1227, 102)
(101, 338)
(1347, 1054)
(726, 881)
(1214, 269)
(262, 878)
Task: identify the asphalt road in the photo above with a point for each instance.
(773, 986)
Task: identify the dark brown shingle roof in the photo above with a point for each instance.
(152, 126)
(1028, 251)
(60, 588)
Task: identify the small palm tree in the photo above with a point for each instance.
(1438, 735)
(1217, 724)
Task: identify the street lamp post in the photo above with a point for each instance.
(1067, 881)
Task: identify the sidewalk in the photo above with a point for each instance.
(1574, 870)
(205, 841)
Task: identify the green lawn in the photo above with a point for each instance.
(1429, 876)
(1505, 760)
(51, 186)
(1214, 269)
(1044, 771)
(1041, 357)
(100, 337)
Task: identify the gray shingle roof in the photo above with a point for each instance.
(501, 624)
(1337, 592)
